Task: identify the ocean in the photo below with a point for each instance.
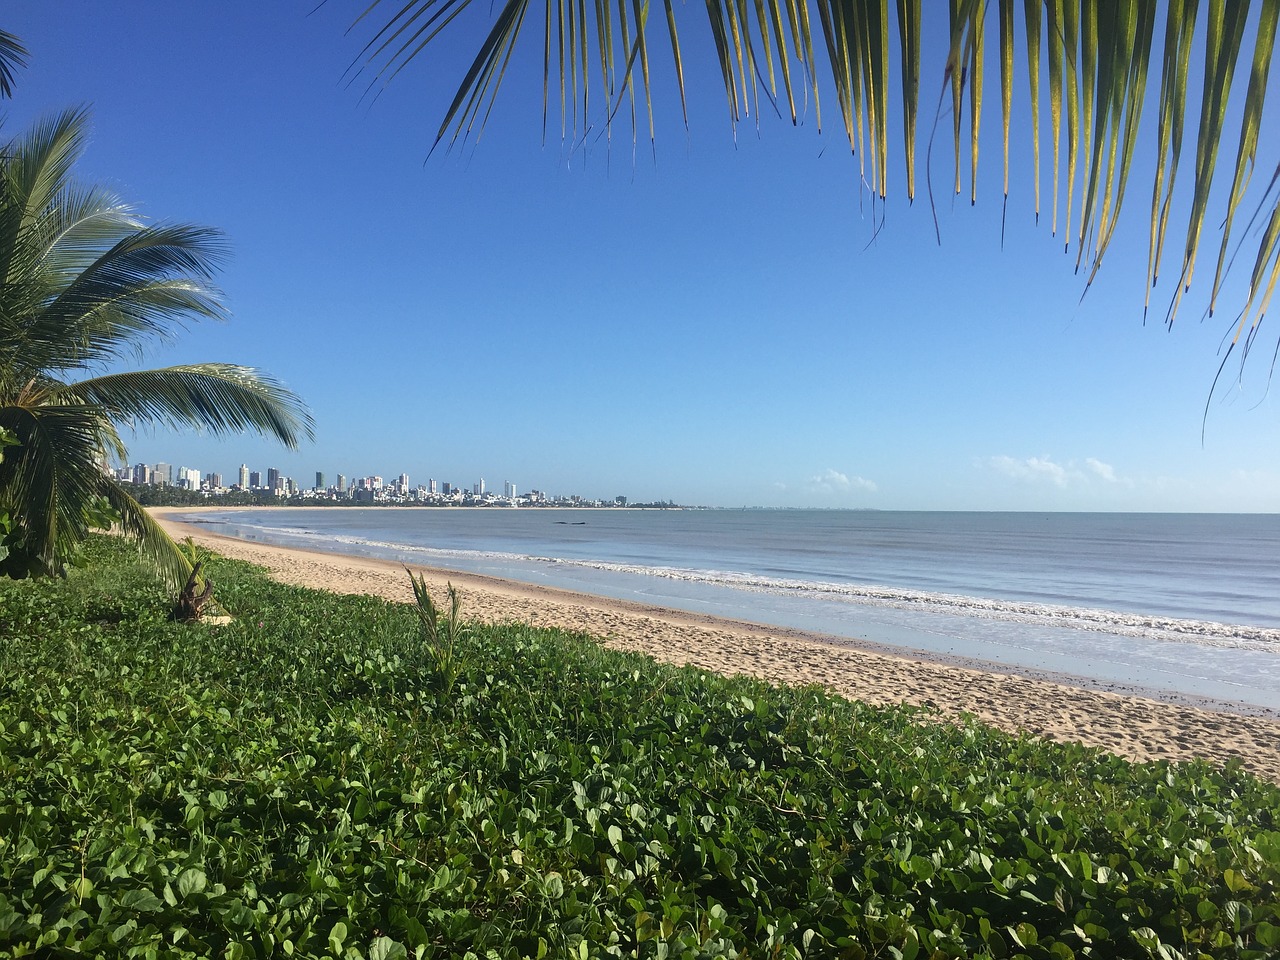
(1176, 605)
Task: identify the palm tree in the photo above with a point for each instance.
(84, 285)
(1094, 57)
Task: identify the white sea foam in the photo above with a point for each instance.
(1202, 632)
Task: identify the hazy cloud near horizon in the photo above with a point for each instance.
(1045, 470)
(833, 481)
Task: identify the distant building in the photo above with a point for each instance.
(480, 487)
(141, 473)
(431, 487)
(255, 479)
(273, 478)
(244, 476)
(342, 484)
(162, 473)
(447, 489)
(509, 490)
(319, 480)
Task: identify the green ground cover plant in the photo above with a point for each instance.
(305, 781)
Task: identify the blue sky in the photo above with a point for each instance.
(711, 322)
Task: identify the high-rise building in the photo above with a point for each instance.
(255, 479)
(213, 481)
(141, 473)
(319, 480)
(448, 489)
(431, 487)
(509, 490)
(273, 478)
(480, 487)
(342, 484)
(162, 473)
(244, 476)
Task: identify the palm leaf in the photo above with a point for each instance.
(220, 398)
(1098, 64)
(137, 524)
(12, 56)
(52, 479)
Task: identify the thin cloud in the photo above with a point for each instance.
(1103, 470)
(833, 481)
(1046, 470)
(1031, 469)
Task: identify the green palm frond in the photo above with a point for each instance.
(167, 556)
(144, 287)
(218, 397)
(1095, 59)
(52, 479)
(12, 56)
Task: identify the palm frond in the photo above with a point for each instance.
(36, 168)
(168, 558)
(221, 398)
(12, 56)
(145, 286)
(1096, 56)
(52, 479)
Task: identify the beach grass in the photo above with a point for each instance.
(310, 781)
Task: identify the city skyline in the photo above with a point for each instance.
(273, 480)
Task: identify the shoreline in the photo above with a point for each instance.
(1134, 723)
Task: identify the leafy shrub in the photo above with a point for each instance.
(300, 783)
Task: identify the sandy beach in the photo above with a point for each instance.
(1137, 727)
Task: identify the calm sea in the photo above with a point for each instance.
(1180, 604)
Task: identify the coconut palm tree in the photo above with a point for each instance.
(1088, 60)
(85, 285)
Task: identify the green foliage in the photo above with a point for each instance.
(300, 783)
(7, 526)
(441, 631)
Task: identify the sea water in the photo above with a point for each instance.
(1173, 604)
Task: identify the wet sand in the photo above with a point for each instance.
(1138, 727)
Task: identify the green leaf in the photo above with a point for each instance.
(337, 936)
(192, 880)
(1267, 934)
(143, 901)
(384, 948)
